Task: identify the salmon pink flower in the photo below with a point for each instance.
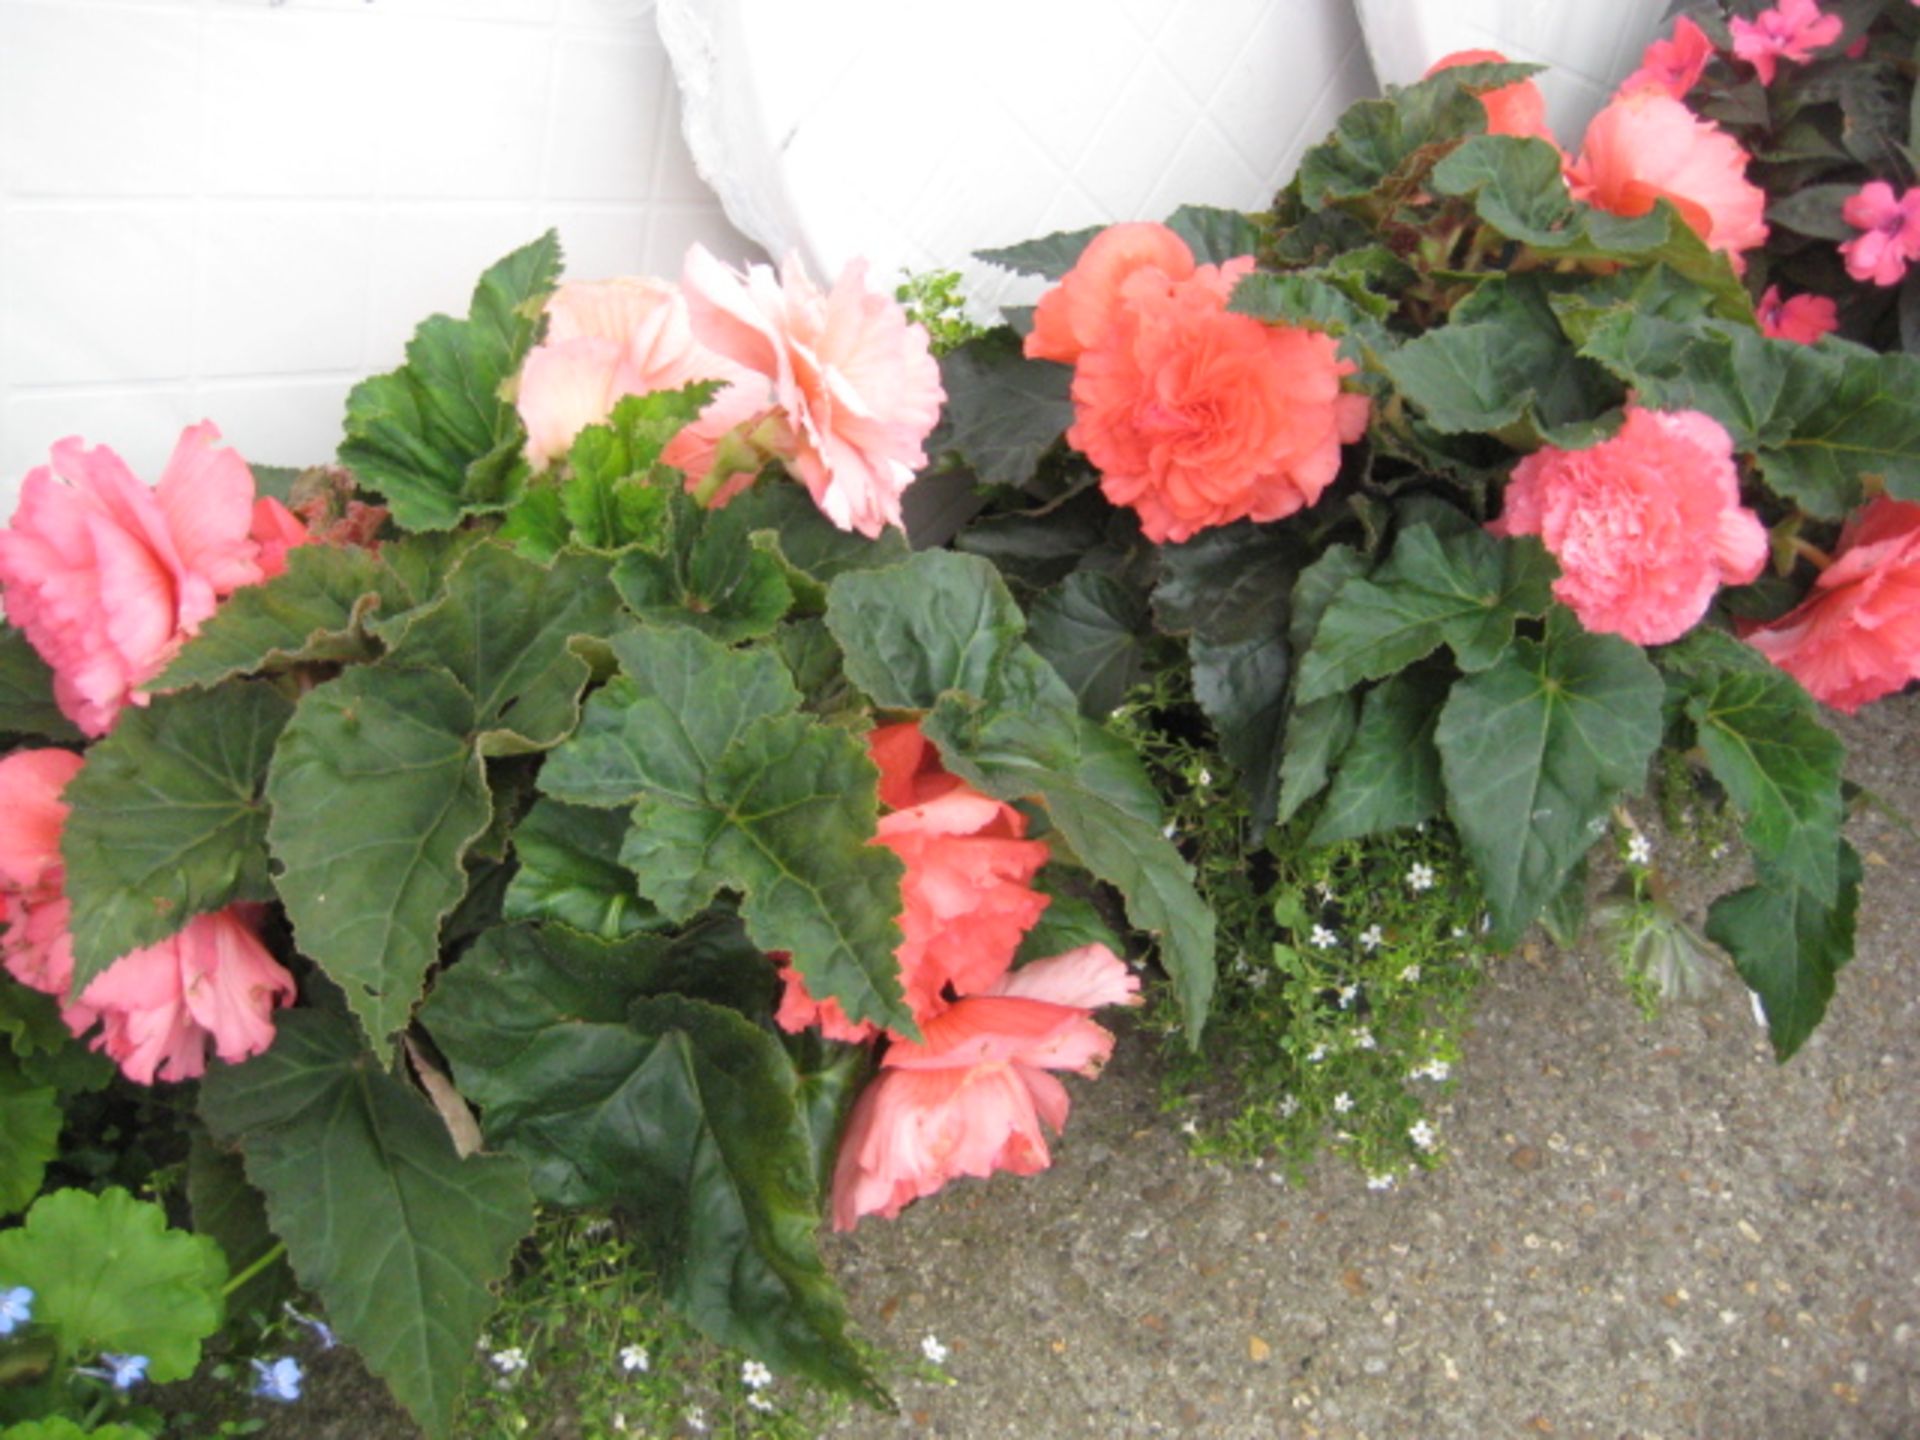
(35, 947)
(1856, 636)
(1791, 30)
(1646, 146)
(1892, 238)
(212, 984)
(1516, 109)
(1804, 318)
(976, 1095)
(1672, 66)
(847, 384)
(1646, 525)
(108, 578)
(1076, 314)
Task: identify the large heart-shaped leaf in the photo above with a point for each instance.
(1788, 945)
(570, 872)
(26, 691)
(1389, 774)
(1093, 631)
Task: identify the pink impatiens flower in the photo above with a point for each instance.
(1892, 232)
(1646, 525)
(1791, 30)
(840, 386)
(1804, 318)
(977, 1096)
(1672, 66)
(107, 578)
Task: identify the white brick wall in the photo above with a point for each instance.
(233, 210)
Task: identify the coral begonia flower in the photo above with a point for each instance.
(1804, 318)
(851, 381)
(1646, 526)
(1516, 109)
(1672, 66)
(1076, 314)
(107, 578)
(1645, 146)
(35, 947)
(1856, 637)
(1791, 30)
(977, 1096)
(1892, 238)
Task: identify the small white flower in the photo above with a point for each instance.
(1420, 877)
(1205, 776)
(635, 1359)
(1289, 1106)
(1316, 1054)
(1166, 830)
(1324, 938)
(1759, 1008)
(1432, 1070)
(1371, 938)
(696, 1417)
(1639, 850)
(760, 1402)
(1422, 1134)
(510, 1361)
(1381, 1182)
(1348, 994)
(935, 1352)
(1189, 1126)
(1342, 1103)
(1459, 932)
(1363, 1038)
(1411, 975)
(755, 1376)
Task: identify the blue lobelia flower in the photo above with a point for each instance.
(280, 1380)
(16, 1308)
(125, 1371)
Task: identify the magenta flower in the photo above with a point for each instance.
(1804, 318)
(1892, 232)
(1791, 30)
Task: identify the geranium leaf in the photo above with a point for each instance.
(1389, 774)
(434, 436)
(1049, 257)
(570, 872)
(1092, 629)
(107, 1274)
(1464, 590)
(30, 1120)
(1788, 946)
(26, 692)
(58, 1427)
(1003, 411)
(1214, 235)
(400, 1237)
(317, 612)
(167, 820)
(1533, 751)
(377, 792)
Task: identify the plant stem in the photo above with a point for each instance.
(279, 1249)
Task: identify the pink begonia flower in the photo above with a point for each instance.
(1804, 318)
(967, 897)
(1646, 146)
(849, 386)
(1856, 637)
(1646, 525)
(212, 984)
(1791, 30)
(1672, 66)
(107, 578)
(606, 340)
(976, 1095)
(35, 947)
(1075, 315)
(1516, 109)
(1892, 238)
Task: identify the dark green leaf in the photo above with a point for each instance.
(26, 692)
(570, 872)
(1068, 923)
(810, 548)
(167, 819)
(941, 621)
(1814, 210)
(1317, 733)
(1389, 775)
(1788, 946)
(233, 1215)
(434, 436)
(30, 1121)
(47, 1053)
(1092, 630)
(400, 1237)
(1534, 750)
(1214, 235)
(610, 497)
(714, 580)
(1049, 257)
(377, 792)
(1378, 140)
(1003, 411)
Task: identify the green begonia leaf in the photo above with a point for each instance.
(606, 496)
(782, 520)
(107, 1274)
(317, 612)
(435, 437)
(233, 1214)
(1464, 590)
(26, 691)
(1389, 775)
(570, 872)
(911, 633)
(1318, 730)
(167, 820)
(400, 1237)
(1534, 749)
(47, 1053)
(1375, 141)
(377, 791)
(1788, 946)
(30, 1121)
(1003, 411)
(1050, 257)
(1092, 629)
(711, 578)
(1215, 236)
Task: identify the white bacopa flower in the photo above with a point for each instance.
(1459, 932)
(1432, 1070)
(635, 1359)
(1324, 938)
(1411, 975)
(1640, 850)
(1206, 776)
(935, 1352)
(1422, 1134)
(1289, 1106)
(1348, 994)
(1317, 1054)
(1363, 1038)
(1381, 1182)
(510, 1361)
(1420, 877)
(1371, 938)
(755, 1376)
(696, 1417)
(760, 1402)
(1166, 830)
(1342, 1103)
